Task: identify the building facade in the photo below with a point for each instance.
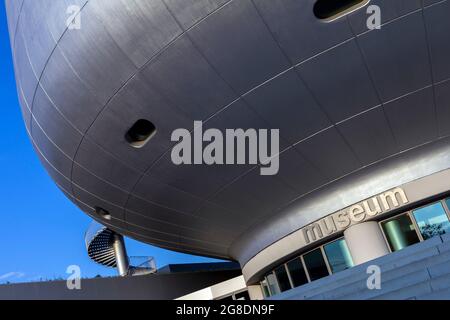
(362, 109)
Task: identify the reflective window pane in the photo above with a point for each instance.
(432, 220)
(315, 264)
(400, 232)
(338, 255)
(297, 272)
(265, 288)
(273, 285)
(283, 279)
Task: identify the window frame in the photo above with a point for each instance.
(276, 282)
(444, 206)
(325, 254)
(305, 269)
(288, 276)
(410, 216)
(308, 279)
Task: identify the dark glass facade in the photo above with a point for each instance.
(400, 232)
(338, 255)
(282, 278)
(297, 272)
(315, 264)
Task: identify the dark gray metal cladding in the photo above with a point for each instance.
(343, 97)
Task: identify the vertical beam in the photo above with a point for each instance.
(365, 242)
(121, 255)
(255, 292)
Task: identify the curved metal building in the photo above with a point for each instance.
(363, 113)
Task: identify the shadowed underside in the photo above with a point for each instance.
(344, 99)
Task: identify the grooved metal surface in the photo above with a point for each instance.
(344, 98)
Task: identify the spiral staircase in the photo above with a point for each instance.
(107, 248)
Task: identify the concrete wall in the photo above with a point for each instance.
(147, 287)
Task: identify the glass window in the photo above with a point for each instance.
(265, 288)
(447, 201)
(297, 272)
(273, 285)
(315, 264)
(432, 220)
(283, 279)
(338, 255)
(400, 232)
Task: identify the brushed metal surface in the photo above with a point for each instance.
(358, 110)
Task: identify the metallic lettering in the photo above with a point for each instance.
(356, 213)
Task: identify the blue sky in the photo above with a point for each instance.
(41, 231)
